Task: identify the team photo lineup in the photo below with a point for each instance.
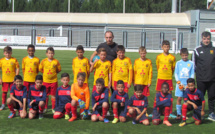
(114, 74)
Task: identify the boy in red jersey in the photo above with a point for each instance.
(30, 67)
(18, 95)
(122, 69)
(63, 99)
(50, 67)
(10, 68)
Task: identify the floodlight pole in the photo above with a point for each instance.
(13, 6)
(68, 6)
(123, 6)
(179, 6)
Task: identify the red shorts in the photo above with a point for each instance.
(6, 85)
(145, 90)
(28, 84)
(160, 82)
(125, 85)
(51, 88)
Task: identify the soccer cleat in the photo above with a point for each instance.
(89, 113)
(53, 111)
(84, 115)
(72, 119)
(134, 122)
(211, 116)
(45, 110)
(106, 120)
(11, 115)
(2, 107)
(172, 116)
(147, 115)
(115, 120)
(66, 117)
(150, 115)
(182, 124)
(41, 116)
(108, 113)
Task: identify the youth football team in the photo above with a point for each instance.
(33, 91)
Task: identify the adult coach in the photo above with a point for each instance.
(204, 60)
(109, 46)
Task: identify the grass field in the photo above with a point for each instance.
(49, 125)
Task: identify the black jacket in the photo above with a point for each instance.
(204, 60)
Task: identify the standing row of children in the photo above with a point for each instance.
(119, 75)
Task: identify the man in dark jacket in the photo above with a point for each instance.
(204, 60)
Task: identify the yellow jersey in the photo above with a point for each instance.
(30, 67)
(102, 70)
(165, 66)
(80, 65)
(50, 70)
(122, 70)
(8, 67)
(142, 71)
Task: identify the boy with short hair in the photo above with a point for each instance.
(137, 106)
(30, 67)
(37, 98)
(100, 103)
(122, 69)
(80, 64)
(50, 67)
(17, 100)
(119, 101)
(10, 68)
(165, 63)
(184, 69)
(163, 104)
(80, 94)
(102, 69)
(143, 71)
(193, 100)
(63, 99)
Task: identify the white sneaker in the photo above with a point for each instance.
(2, 107)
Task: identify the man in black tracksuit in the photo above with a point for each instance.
(204, 60)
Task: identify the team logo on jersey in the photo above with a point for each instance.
(21, 93)
(147, 65)
(142, 103)
(106, 66)
(123, 99)
(54, 65)
(41, 94)
(170, 61)
(125, 63)
(188, 65)
(35, 63)
(102, 96)
(196, 97)
(68, 92)
(84, 64)
(82, 93)
(11, 63)
(211, 51)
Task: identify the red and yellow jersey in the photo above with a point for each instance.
(80, 65)
(122, 70)
(82, 93)
(30, 68)
(102, 70)
(8, 67)
(142, 71)
(50, 70)
(165, 66)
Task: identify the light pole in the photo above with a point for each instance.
(123, 6)
(13, 6)
(68, 6)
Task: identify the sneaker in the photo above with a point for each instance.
(150, 115)
(89, 113)
(211, 116)
(45, 110)
(147, 115)
(41, 116)
(134, 122)
(106, 120)
(182, 124)
(172, 116)
(66, 117)
(115, 120)
(53, 111)
(72, 119)
(11, 115)
(108, 113)
(2, 107)
(178, 117)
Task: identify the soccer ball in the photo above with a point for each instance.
(96, 57)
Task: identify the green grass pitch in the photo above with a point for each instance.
(49, 125)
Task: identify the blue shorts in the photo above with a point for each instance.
(196, 113)
(178, 92)
(97, 112)
(35, 106)
(142, 118)
(60, 109)
(157, 113)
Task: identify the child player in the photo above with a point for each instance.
(80, 64)
(193, 100)
(100, 103)
(143, 71)
(184, 69)
(122, 69)
(30, 67)
(102, 69)
(50, 67)
(163, 104)
(10, 68)
(137, 106)
(17, 100)
(80, 94)
(165, 63)
(63, 98)
(37, 98)
(119, 101)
